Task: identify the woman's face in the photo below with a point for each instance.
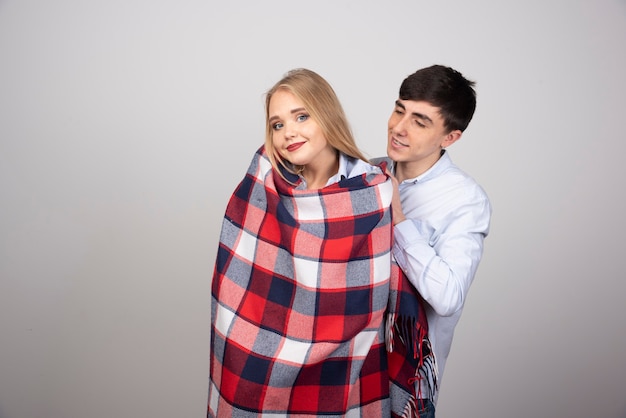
(295, 135)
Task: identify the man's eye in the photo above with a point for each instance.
(420, 124)
(302, 118)
(399, 111)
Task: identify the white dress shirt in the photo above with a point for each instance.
(348, 167)
(440, 244)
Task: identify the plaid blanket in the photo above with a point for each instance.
(300, 293)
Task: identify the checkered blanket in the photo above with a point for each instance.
(300, 293)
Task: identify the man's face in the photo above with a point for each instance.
(417, 134)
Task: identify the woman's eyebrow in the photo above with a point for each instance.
(293, 111)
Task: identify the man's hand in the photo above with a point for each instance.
(396, 205)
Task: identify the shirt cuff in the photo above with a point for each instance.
(406, 234)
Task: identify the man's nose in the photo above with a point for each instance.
(398, 125)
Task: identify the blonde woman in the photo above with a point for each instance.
(303, 276)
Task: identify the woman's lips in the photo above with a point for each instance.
(295, 146)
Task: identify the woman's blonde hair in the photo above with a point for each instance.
(322, 104)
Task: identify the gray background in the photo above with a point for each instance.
(125, 126)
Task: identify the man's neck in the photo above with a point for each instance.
(410, 169)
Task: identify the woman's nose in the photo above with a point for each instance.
(290, 130)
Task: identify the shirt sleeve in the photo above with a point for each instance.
(441, 260)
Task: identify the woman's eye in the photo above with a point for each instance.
(277, 126)
(302, 118)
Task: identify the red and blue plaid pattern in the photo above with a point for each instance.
(300, 294)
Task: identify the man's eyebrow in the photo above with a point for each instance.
(416, 114)
(423, 117)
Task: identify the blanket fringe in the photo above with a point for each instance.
(410, 410)
(409, 333)
(430, 372)
(389, 331)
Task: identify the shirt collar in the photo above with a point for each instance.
(345, 166)
(342, 172)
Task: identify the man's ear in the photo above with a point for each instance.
(451, 138)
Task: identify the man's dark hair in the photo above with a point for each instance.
(446, 89)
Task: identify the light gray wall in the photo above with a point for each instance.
(125, 125)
